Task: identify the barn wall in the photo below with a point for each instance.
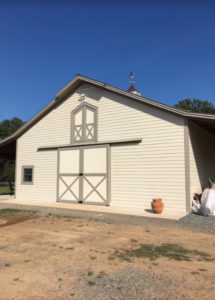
(202, 163)
(154, 168)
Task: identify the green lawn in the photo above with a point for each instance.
(4, 190)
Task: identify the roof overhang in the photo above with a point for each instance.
(207, 124)
(8, 151)
(8, 145)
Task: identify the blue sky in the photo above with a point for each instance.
(169, 45)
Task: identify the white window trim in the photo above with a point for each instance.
(27, 182)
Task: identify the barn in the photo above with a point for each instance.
(98, 144)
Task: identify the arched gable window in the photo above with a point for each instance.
(84, 123)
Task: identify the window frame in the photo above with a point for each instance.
(84, 106)
(27, 182)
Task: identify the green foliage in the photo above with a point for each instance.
(11, 211)
(7, 127)
(91, 283)
(196, 105)
(90, 273)
(7, 167)
(4, 190)
(171, 251)
(8, 173)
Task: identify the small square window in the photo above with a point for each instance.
(27, 175)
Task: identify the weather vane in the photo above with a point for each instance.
(131, 77)
(132, 88)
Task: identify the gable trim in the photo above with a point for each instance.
(76, 82)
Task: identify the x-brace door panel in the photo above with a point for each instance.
(69, 187)
(68, 177)
(95, 175)
(84, 175)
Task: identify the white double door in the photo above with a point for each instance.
(84, 174)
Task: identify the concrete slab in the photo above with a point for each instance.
(96, 208)
(6, 197)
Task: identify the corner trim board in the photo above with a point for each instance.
(187, 165)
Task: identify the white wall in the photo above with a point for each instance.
(154, 168)
(202, 161)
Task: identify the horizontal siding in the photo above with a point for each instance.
(135, 183)
(45, 176)
(154, 168)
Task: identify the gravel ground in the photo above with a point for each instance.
(78, 274)
(191, 221)
(199, 223)
(130, 283)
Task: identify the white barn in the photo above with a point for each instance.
(95, 143)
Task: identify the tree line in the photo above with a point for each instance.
(7, 167)
(7, 127)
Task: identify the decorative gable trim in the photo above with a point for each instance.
(77, 81)
(84, 132)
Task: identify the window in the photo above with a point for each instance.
(27, 174)
(84, 123)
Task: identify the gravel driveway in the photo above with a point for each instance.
(130, 283)
(191, 221)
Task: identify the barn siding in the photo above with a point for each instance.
(154, 168)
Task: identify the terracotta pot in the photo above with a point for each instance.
(157, 205)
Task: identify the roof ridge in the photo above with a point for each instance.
(77, 81)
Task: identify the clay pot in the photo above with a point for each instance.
(157, 205)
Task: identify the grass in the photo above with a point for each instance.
(101, 274)
(13, 216)
(90, 273)
(91, 283)
(69, 248)
(111, 257)
(11, 211)
(7, 265)
(170, 251)
(194, 273)
(4, 190)
(133, 240)
(93, 257)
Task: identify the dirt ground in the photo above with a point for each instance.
(50, 257)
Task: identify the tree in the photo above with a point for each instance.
(8, 173)
(7, 127)
(196, 105)
(7, 167)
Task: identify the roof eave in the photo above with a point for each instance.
(76, 82)
(79, 79)
(27, 125)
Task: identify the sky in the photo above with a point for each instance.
(169, 45)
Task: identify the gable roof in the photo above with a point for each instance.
(77, 81)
